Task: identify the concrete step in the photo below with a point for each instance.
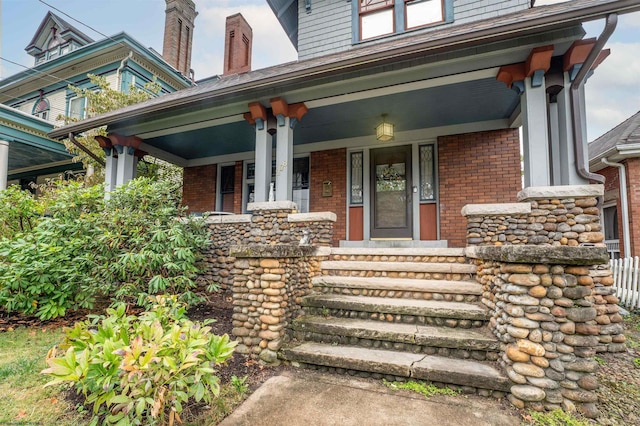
(456, 342)
(424, 267)
(400, 284)
(403, 364)
(397, 252)
(337, 304)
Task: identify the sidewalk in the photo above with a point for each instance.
(307, 398)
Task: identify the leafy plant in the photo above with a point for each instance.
(128, 247)
(141, 370)
(19, 211)
(240, 384)
(599, 360)
(636, 362)
(422, 388)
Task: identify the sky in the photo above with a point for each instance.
(613, 92)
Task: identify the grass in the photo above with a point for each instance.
(428, 390)
(23, 398)
(556, 418)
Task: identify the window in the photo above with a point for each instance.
(301, 183)
(356, 178)
(41, 109)
(377, 18)
(610, 219)
(76, 108)
(427, 174)
(227, 185)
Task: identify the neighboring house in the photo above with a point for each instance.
(396, 115)
(616, 155)
(64, 56)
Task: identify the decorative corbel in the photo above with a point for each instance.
(538, 63)
(513, 76)
(258, 114)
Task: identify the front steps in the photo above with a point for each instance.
(408, 313)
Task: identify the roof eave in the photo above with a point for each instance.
(493, 33)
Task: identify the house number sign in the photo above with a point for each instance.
(327, 188)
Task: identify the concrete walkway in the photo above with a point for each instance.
(306, 398)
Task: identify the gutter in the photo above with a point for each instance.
(466, 35)
(121, 68)
(624, 204)
(576, 101)
(86, 150)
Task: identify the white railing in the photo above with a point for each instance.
(626, 281)
(613, 247)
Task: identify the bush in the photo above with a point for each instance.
(141, 370)
(19, 212)
(126, 248)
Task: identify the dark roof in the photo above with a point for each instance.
(370, 54)
(625, 133)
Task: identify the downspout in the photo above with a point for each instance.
(576, 85)
(121, 67)
(622, 177)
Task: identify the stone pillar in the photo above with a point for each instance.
(284, 158)
(4, 164)
(535, 134)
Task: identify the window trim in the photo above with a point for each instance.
(400, 23)
(83, 104)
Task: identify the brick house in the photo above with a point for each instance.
(32, 100)
(615, 156)
(452, 81)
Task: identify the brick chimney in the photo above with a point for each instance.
(237, 45)
(178, 34)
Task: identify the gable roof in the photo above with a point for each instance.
(367, 55)
(623, 135)
(65, 30)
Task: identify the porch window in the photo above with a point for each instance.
(356, 178)
(427, 173)
(301, 183)
(378, 18)
(227, 184)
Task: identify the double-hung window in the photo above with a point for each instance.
(378, 18)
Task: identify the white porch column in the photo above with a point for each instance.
(535, 131)
(284, 159)
(4, 164)
(554, 139)
(110, 170)
(262, 162)
(126, 164)
(569, 173)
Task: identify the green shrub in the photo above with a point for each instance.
(126, 248)
(141, 370)
(19, 211)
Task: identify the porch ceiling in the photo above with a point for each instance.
(465, 102)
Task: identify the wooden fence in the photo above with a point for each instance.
(626, 280)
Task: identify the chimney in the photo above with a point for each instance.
(178, 34)
(237, 45)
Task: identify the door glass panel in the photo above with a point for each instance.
(391, 196)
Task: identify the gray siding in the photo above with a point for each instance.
(327, 29)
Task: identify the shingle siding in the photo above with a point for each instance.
(327, 29)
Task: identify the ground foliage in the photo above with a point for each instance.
(134, 244)
(141, 370)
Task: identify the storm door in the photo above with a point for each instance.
(391, 186)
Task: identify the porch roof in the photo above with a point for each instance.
(29, 147)
(620, 142)
(220, 103)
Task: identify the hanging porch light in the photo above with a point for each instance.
(384, 130)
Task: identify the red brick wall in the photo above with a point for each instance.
(330, 165)
(475, 168)
(237, 189)
(633, 190)
(199, 188)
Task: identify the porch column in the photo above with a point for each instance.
(257, 116)
(554, 138)
(126, 147)
(535, 126)
(4, 164)
(286, 116)
(111, 163)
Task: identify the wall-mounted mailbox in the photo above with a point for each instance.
(327, 188)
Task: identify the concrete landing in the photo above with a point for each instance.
(316, 399)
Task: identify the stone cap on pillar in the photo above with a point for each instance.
(272, 205)
(496, 209)
(560, 192)
(313, 217)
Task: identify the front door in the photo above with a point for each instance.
(391, 189)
